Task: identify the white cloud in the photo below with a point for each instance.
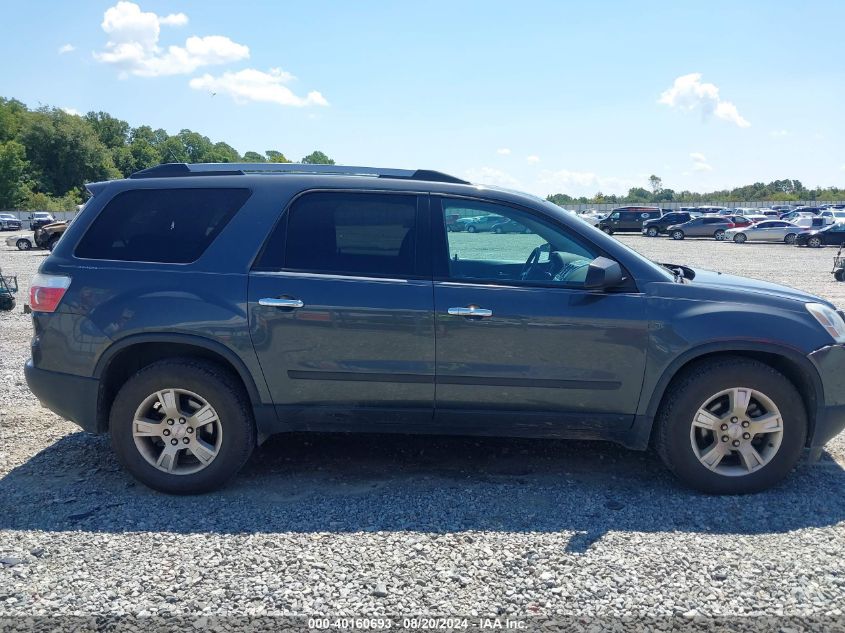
(66, 48)
(533, 159)
(583, 183)
(133, 45)
(699, 162)
(779, 133)
(503, 151)
(688, 94)
(72, 111)
(254, 85)
(491, 176)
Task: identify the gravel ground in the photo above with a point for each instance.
(393, 525)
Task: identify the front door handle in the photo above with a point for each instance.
(280, 303)
(470, 311)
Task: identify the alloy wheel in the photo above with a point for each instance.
(736, 432)
(177, 431)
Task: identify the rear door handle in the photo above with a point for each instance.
(470, 311)
(280, 303)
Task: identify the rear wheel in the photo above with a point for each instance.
(497, 230)
(607, 230)
(7, 302)
(731, 426)
(719, 235)
(740, 238)
(814, 242)
(471, 229)
(23, 244)
(789, 238)
(652, 231)
(677, 235)
(181, 426)
(839, 275)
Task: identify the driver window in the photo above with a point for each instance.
(489, 242)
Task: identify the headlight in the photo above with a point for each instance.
(829, 319)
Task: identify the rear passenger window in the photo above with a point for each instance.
(160, 225)
(348, 233)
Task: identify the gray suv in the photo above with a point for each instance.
(193, 310)
(705, 226)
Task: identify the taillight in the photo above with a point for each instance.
(731, 225)
(46, 292)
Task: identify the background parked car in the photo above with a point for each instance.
(628, 219)
(48, 235)
(831, 235)
(741, 220)
(21, 242)
(9, 222)
(509, 226)
(768, 231)
(38, 219)
(705, 226)
(481, 223)
(658, 226)
(832, 215)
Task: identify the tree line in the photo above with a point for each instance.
(777, 190)
(47, 154)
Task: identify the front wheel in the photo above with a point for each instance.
(789, 238)
(497, 231)
(719, 235)
(652, 232)
(182, 426)
(7, 302)
(839, 275)
(814, 242)
(740, 238)
(607, 230)
(731, 426)
(677, 235)
(471, 229)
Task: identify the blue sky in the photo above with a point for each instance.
(542, 96)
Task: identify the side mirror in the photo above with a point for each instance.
(603, 273)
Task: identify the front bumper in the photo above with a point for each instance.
(72, 397)
(830, 416)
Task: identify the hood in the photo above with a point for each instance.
(717, 280)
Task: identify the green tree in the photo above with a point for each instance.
(113, 133)
(275, 157)
(317, 158)
(13, 168)
(64, 152)
(254, 157)
(656, 184)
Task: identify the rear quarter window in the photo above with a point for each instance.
(160, 225)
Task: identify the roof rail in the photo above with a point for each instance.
(170, 170)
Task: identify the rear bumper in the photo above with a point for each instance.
(830, 417)
(72, 397)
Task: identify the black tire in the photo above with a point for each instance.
(814, 242)
(607, 230)
(220, 389)
(652, 231)
(7, 302)
(23, 244)
(677, 235)
(689, 390)
(51, 243)
(839, 275)
(789, 238)
(719, 235)
(497, 230)
(740, 238)
(471, 229)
